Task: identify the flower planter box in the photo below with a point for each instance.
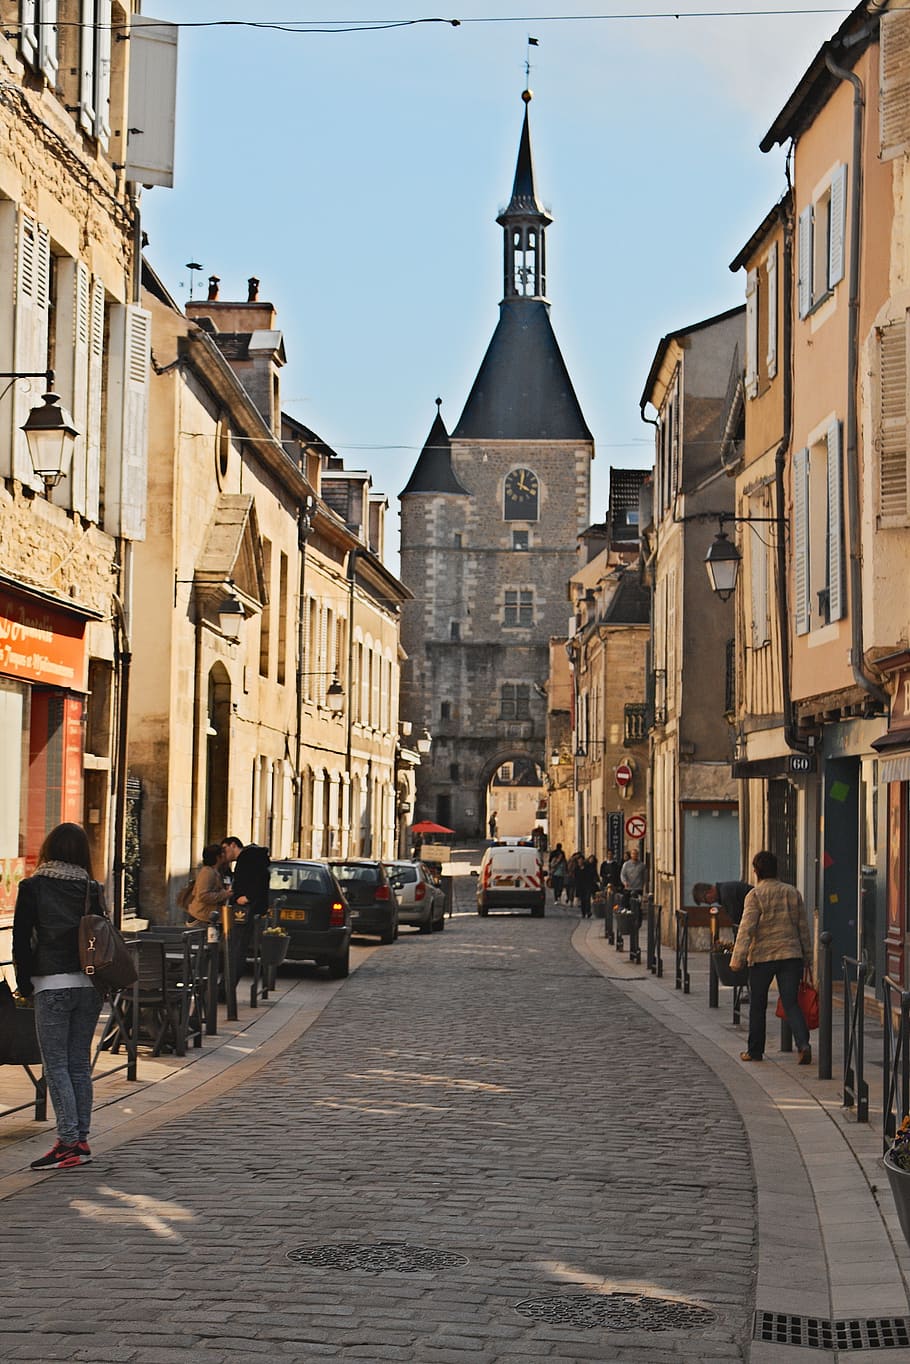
(900, 1188)
(273, 948)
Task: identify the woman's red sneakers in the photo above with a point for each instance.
(60, 1157)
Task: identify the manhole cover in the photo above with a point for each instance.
(616, 1312)
(384, 1257)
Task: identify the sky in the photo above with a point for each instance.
(358, 175)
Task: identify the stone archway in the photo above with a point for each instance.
(218, 754)
(503, 788)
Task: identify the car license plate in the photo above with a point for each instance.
(297, 914)
(505, 881)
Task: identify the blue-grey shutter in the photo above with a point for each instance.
(771, 270)
(836, 601)
(805, 261)
(752, 333)
(836, 239)
(801, 541)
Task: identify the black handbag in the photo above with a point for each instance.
(103, 955)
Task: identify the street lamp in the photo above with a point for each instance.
(722, 563)
(50, 432)
(231, 616)
(424, 743)
(334, 692)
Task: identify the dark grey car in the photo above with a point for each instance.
(308, 902)
(374, 906)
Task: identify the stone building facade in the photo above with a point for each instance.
(70, 321)
(489, 525)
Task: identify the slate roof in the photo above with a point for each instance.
(433, 472)
(522, 390)
(524, 201)
(631, 603)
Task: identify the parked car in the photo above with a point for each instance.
(306, 900)
(511, 877)
(421, 901)
(374, 906)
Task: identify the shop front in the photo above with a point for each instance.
(42, 706)
(894, 777)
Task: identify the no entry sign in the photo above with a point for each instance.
(636, 826)
(623, 775)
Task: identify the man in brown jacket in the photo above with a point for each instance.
(773, 940)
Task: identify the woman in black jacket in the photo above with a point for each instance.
(49, 905)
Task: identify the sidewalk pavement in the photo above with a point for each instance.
(168, 1085)
(830, 1244)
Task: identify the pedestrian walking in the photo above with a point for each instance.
(209, 891)
(558, 871)
(632, 873)
(49, 905)
(730, 895)
(587, 882)
(773, 940)
(493, 825)
(576, 862)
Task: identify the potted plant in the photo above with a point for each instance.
(897, 1166)
(273, 945)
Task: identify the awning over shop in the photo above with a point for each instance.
(895, 769)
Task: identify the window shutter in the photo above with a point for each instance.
(838, 234)
(805, 261)
(152, 101)
(71, 371)
(47, 41)
(836, 602)
(758, 586)
(95, 392)
(894, 83)
(801, 541)
(125, 475)
(103, 73)
(752, 333)
(87, 68)
(891, 433)
(28, 31)
(30, 336)
(771, 270)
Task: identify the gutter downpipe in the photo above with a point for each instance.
(305, 515)
(353, 556)
(649, 683)
(791, 738)
(852, 451)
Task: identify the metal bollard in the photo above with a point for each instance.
(825, 1010)
(713, 983)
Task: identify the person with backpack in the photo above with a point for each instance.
(49, 905)
(558, 868)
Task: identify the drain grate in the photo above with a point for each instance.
(616, 1312)
(383, 1257)
(818, 1333)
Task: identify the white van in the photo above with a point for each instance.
(511, 877)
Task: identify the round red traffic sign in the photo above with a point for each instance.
(636, 826)
(623, 775)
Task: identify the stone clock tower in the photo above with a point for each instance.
(489, 526)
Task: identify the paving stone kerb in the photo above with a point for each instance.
(482, 1092)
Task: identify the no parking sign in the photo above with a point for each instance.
(636, 826)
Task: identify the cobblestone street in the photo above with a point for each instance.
(483, 1095)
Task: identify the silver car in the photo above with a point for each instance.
(421, 901)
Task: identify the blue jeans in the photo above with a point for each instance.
(789, 973)
(65, 1021)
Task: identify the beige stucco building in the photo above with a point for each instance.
(265, 699)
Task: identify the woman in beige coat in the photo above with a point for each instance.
(773, 940)
(209, 890)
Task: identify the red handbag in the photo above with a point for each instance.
(806, 998)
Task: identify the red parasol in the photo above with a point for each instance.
(426, 826)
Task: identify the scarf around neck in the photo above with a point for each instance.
(62, 871)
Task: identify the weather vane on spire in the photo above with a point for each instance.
(532, 42)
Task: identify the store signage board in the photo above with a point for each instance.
(39, 644)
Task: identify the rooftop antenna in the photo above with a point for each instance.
(192, 266)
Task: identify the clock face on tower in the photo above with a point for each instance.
(521, 496)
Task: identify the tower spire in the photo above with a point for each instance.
(524, 222)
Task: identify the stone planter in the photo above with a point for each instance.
(273, 948)
(900, 1188)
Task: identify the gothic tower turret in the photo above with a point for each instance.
(489, 525)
